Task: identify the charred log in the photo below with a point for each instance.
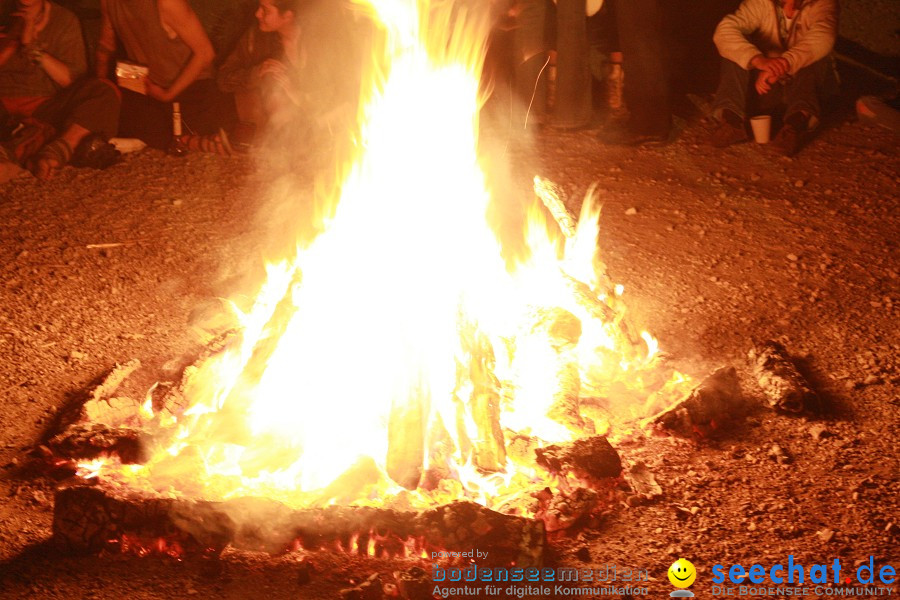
(95, 518)
(85, 441)
(786, 389)
(590, 459)
(717, 399)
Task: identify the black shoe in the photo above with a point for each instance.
(731, 129)
(95, 153)
(725, 134)
(792, 135)
(788, 141)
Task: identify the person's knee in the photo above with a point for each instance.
(105, 89)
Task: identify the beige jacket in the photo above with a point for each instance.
(753, 30)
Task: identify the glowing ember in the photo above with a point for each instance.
(399, 355)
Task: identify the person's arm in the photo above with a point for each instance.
(106, 45)
(240, 71)
(11, 39)
(179, 16)
(61, 56)
(55, 69)
(774, 67)
(818, 41)
(731, 36)
(8, 47)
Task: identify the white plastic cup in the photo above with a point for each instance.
(762, 128)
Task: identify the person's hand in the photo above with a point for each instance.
(764, 82)
(29, 26)
(158, 92)
(777, 67)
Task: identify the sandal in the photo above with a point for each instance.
(51, 157)
(28, 138)
(216, 143)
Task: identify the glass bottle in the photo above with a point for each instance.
(177, 148)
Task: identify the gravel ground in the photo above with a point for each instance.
(716, 249)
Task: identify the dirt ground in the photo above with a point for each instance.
(716, 250)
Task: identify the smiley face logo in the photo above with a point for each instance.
(682, 573)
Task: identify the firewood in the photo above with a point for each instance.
(604, 310)
(591, 459)
(111, 382)
(715, 400)
(406, 439)
(483, 406)
(552, 197)
(566, 406)
(562, 328)
(93, 402)
(112, 412)
(86, 441)
(178, 398)
(786, 389)
(102, 517)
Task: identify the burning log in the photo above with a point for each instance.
(483, 407)
(552, 197)
(715, 400)
(86, 441)
(175, 399)
(561, 327)
(462, 526)
(784, 386)
(604, 310)
(95, 518)
(591, 460)
(566, 407)
(561, 330)
(406, 440)
(102, 424)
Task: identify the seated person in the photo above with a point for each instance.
(296, 87)
(782, 49)
(46, 107)
(166, 37)
(258, 70)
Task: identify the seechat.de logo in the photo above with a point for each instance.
(681, 575)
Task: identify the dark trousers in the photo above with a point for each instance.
(530, 62)
(800, 92)
(90, 103)
(643, 45)
(573, 74)
(204, 109)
